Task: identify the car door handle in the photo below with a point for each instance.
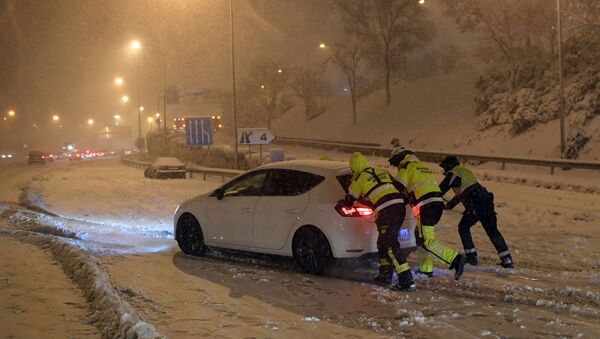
(248, 209)
(293, 211)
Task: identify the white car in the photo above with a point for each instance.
(285, 208)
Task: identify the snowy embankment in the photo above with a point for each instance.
(112, 315)
(435, 113)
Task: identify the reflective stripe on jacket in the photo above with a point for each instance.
(416, 177)
(467, 178)
(373, 184)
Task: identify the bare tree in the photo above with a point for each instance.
(512, 28)
(266, 87)
(348, 59)
(388, 29)
(308, 85)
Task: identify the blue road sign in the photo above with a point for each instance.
(198, 131)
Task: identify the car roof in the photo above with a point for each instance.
(313, 166)
(167, 161)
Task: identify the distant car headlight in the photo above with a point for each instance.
(3, 156)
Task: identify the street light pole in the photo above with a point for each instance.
(235, 136)
(137, 89)
(561, 82)
(165, 101)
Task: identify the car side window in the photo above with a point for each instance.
(246, 186)
(282, 182)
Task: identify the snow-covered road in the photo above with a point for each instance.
(554, 290)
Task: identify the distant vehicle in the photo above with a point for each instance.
(36, 157)
(48, 156)
(286, 208)
(6, 155)
(74, 156)
(165, 167)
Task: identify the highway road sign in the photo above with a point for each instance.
(198, 131)
(255, 136)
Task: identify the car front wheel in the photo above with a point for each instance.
(189, 236)
(312, 251)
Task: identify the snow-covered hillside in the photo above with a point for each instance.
(436, 113)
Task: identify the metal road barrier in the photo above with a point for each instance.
(204, 171)
(429, 156)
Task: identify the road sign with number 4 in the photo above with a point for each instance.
(255, 136)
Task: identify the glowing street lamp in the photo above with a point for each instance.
(119, 81)
(157, 115)
(421, 2)
(11, 113)
(55, 118)
(125, 99)
(135, 45)
(117, 117)
(279, 70)
(141, 108)
(150, 119)
(90, 122)
(322, 45)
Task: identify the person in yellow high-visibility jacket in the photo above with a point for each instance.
(376, 186)
(420, 183)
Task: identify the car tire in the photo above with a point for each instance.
(147, 173)
(189, 236)
(312, 251)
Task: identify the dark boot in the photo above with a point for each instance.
(458, 265)
(385, 276)
(428, 274)
(506, 262)
(404, 283)
(472, 259)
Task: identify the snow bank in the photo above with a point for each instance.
(112, 315)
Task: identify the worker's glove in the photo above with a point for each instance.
(342, 202)
(449, 207)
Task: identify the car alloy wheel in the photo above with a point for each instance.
(311, 250)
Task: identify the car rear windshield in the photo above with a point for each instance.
(284, 182)
(345, 180)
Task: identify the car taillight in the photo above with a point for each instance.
(416, 211)
(354, 211)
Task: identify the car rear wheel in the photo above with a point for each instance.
(311, 250)
(189, 236)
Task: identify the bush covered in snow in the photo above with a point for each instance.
(518, 41)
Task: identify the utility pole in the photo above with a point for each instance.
(235, 137)
(561, 81)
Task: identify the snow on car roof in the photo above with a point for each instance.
(167, 161)
(310, 165)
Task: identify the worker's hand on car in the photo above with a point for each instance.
(344, 203)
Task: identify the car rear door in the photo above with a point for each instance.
(285, 196)
(229, 220)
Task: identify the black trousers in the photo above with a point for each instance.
(389, 220)
(479, 206)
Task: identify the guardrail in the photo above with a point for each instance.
(438, 156)
(204, 171)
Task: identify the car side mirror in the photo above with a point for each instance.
(220, 193)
